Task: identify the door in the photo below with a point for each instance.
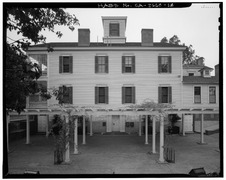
(188, 123)
(42, 122)
(115, 123)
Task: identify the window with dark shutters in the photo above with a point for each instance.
(128, 64)
(66, 64)
(101, 95)
(66, 94)
(164, 64)
(128, 95)
(101, 64)
(165, 94)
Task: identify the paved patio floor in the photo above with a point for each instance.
(106, 154)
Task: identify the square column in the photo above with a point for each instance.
(76, 136)
(202, 130)
(153, 134)
(146, 129)
(84, 130)
(161, 144)
(7, 130)
(183, 128)
(140, 117)
(91, 125)
(27, 130)
(67, 152)
(47, 126)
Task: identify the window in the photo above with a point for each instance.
(66, 64)
(41, 60)
(101, 64)
(128, 64)
(164, 64)
(212, 94)
(165, 95)
(66, 94)
(128, 95)
(101, 95)
(207, 72)
(190, 74)
(114, 29)
(197, 94)
(37, 97)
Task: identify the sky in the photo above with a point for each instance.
(196, 25)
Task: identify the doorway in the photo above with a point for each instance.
(115, 123)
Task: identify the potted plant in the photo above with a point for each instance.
(173, 119)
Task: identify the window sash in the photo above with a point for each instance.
(114, 29)
(66, 64)
(197, 94)
(165, 95)
(41, 61)
(128, 95)
(212, 94)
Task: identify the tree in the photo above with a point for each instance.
(20, 74)
(189, 56)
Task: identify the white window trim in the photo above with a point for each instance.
(193, 92)
(208, 89)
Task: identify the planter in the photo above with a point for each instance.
(58, 157)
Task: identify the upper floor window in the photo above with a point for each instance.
(165, 95)
(114, 29)
(101, 64)
(197, 94)
(101, 95)
(66, 64)
(41, 60)
(66, 94)
(128, 95)
(164, 64)
(38, 97)
(128, 64)
(212, 94)
(190, 74)
(207, 72)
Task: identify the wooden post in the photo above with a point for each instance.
(76, 136)
(146, 129)
(47, 125)
(7, 130)
(153, 134)
(161, 148)
(202, 130)
(140, 117)
(84, 130)
(67, 152)
(91, 125)
(183, 128)
(27, 130)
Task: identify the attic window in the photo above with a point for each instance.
(114, 29)
(207, 72)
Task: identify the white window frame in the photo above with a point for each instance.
(193, 92)
(209, 94)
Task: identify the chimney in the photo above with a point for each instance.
(200, 61)
(83, 37)
(217, 70)
(147, 37)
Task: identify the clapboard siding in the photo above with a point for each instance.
(146, 79)
(188, 97)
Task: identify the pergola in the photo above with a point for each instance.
(157, 115)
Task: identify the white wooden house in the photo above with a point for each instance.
(115, 74)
